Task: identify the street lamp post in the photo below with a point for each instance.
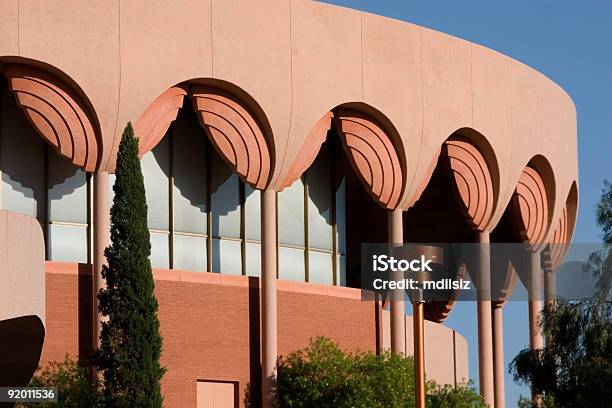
(418, 324)
(436, 255)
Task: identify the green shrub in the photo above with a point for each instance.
(447, 396)
(545, 402)
(74, 386)
(322, 375)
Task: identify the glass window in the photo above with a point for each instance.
(189, 253)
(189, 189)
(227, 256)
(67, 192)
(340, 216)
(156, 170)
(67, 243)
(225, 199)
(320, 267)
(22, 159)
(38, 182)
(67, 195)
(160, 250)
(320, 203)
(176, 172)
(291, 264)
(325, 205)
(341, 270)
(253, 259)
(252, 213)
(291, 214)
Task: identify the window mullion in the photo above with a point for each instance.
(242, 201)
(209, 251)
(47, 207)
(306, 182)
(333, 176)
(171, 198)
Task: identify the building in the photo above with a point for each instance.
(276, 137)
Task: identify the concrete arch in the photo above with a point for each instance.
(373, 147)
(309, 150)
(502, 288)
(473, 167)
(153, 124)
(470, 168)
(58, 110)
(533, 201)
(571, 205)
(234, 122)
(564, 228)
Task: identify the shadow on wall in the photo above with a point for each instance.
(27, 162)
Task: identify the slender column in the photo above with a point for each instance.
(550, 278)
(498, 354)
(418, 322)
(485, 331)
(268, 296)
(536, 340)
(550, 293)
(101, 239)
(550, 286)
(398, 328)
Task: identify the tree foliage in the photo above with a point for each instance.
(74, 386)
(130, 339)
(575, 368)
(322, 375)
(447, 396)
(604, 213)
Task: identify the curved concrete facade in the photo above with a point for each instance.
(22, 297)
(309, 58)
(267, 80)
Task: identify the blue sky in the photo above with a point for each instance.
(571, 43)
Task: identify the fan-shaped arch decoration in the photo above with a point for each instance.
(472, 181)
(235, 132)
(529, 202)
(57, 112)
(438, 311)
(560, 240)
(308, 152)
(373, 156)
(153, 124)
(503, 282)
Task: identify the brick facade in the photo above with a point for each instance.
(210, 324)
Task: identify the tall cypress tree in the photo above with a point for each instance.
(130, 339)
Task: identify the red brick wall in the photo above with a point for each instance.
(210, 330)
(68, 312)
